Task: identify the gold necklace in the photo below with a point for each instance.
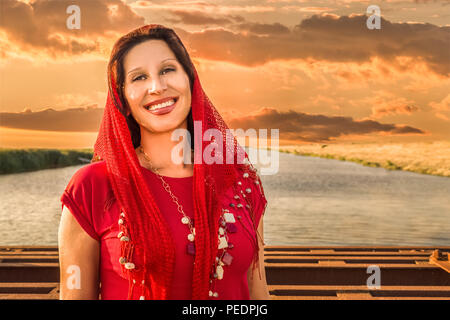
(185, 219)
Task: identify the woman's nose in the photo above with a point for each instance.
(157, 85)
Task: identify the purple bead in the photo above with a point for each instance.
(230, 245)
(227, 258)
(231, 227)
(190, 248)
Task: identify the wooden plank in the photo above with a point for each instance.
(441, 259)
(312, 273)
(350, 258)
(359, 287)
(350, 266)
(349, 253)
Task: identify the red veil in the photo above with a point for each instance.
(151, 248)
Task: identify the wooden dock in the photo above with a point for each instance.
(293, 272)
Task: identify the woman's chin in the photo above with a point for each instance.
(163, 128)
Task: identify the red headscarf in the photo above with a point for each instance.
(151, 248)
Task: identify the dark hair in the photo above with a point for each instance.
(115, 68)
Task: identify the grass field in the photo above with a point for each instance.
(24, 160)
(428, 158)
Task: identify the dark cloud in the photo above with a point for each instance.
(292, 125)
(327, 38)
(84, 119)
(315, 128)
(42, 24)
(395, 109)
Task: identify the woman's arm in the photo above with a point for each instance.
(78, 260)
(258, 287)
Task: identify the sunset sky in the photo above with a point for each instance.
(311, 69)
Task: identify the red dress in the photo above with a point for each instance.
(85, 197)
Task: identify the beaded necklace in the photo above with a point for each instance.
(227, 225)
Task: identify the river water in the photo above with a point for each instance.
(311, 201)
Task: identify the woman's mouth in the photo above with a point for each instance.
(162, 108)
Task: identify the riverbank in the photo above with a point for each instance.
(25, 160)
(426, 158)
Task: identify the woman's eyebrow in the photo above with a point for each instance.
(141, 67)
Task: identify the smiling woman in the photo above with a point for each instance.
(143, 226)
(158, 85)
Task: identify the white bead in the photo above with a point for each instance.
(143, 281)
(248, 190)
(221, 231)
(239, 205)
(122, 260)
(134, 280)
(210, 293)
(222, 243)
(124, 238)
(141, 298)
(120, 221)
(185, 220)
(236, 197)
(245, 175)
(219, 271)
(229, 217)
(120, 234)
(129, 265)
(122, 214)
(190, 237)
(239, 183)
(215, 294)
(256, 182)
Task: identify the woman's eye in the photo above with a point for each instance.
(168, 69)
(164, 71)
(137, 78)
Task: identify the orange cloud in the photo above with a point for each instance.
(41, 25)
(322, 37)
(328, 38)
(442, 108)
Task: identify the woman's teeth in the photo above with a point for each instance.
(161, 105)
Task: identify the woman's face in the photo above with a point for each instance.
(152, 73)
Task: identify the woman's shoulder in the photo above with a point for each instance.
(94, 170)
(93, 174)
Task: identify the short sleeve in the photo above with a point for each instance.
(82, 198)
